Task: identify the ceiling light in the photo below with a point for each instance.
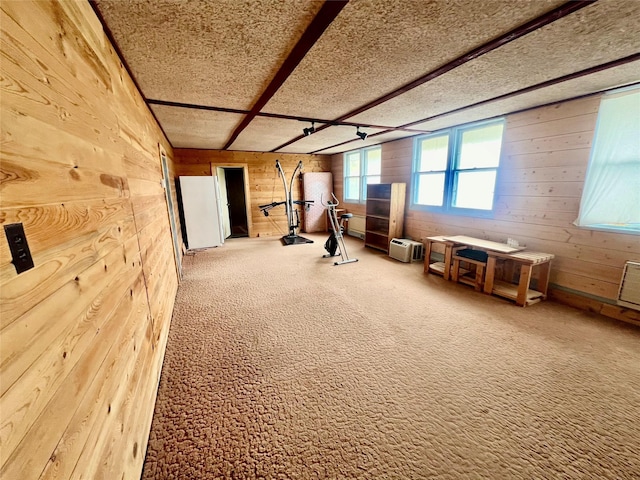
(362, 135)
(309, 131)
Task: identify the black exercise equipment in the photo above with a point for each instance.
(336, 240)
(292, 213)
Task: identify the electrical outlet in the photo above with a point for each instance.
(20, 253)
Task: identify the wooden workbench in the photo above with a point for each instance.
(525, 260)
(521, 293)
(443, 268)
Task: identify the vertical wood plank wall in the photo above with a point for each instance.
(542, 171)
(265, 185)
(83, 333)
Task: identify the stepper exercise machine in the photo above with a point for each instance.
(336, 240)
(292, 213)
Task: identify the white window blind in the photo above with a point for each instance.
(611, 195)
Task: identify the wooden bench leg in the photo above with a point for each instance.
(448, 254)
(427, 256)
(523, 285)
(455, 272)
(489, 278)
(479, 277)
(543, 279)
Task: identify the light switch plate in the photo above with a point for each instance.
(20, 253)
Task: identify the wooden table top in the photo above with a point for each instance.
(532, 258)
(484, 244)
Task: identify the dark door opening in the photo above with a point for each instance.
(236, 201)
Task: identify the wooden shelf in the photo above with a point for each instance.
(467, 277)
(380, 217)
(438, 267)
(376, 240)
(384, 214)
(382, 191)
(510, 291)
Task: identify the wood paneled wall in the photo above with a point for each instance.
(83, 333)
(265, 185)
(543, 166)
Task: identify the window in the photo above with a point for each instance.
(361, 167)
(455, 170)
(611, 194)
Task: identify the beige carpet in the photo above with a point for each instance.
(282, 366)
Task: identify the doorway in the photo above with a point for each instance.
(232, 180)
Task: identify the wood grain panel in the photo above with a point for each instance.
(506, 203)
(570, 141)
(143, 167)
(57, 165)
(184, 170)
(564, 111)
(155, 255)
(99, 402)
(27, 337)
(536, 217)
(54, 267)
(563, 158)
(549, 174)
(125, 447)
(585, 284)
(52, 369)
(97, 365)
(542, 189)
(603, 272)
(40, 82)
(83, 333)
(50, 226)
(147, 209)
(551, 128)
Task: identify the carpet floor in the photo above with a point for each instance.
(280, 365)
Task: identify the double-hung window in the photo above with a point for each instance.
(361, 167)
(455, 170)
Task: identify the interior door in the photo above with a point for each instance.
(224, 201)
(166, 184)
(238, 200)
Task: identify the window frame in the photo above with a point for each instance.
(362, 176)
(452, 170)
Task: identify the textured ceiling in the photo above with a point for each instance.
(219, 53)
(375, 47)
(550, 52)
(251, 74)
(191, 128)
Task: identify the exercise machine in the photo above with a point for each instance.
(336, 240)
(293, 219)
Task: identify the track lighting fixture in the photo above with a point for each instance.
(362, 135)
(310, 130)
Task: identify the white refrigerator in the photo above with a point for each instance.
(202, 211)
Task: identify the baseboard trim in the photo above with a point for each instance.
(593, 304)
